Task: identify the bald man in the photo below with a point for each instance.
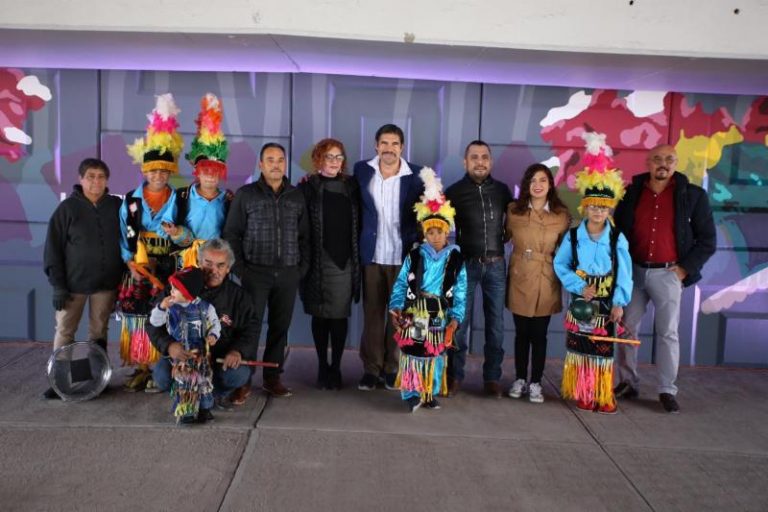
(671, 235)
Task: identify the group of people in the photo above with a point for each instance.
(164, 258)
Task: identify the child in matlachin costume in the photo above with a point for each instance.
(192, 322)
(428, 300)
(594, 265)
(145, 246)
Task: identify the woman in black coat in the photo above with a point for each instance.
(333, 279)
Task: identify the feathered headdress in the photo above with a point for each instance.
(600, 183)
(161, 148)
(434, 210)
(209, 148)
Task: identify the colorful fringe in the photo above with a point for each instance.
(135, 347)
(418, 374)
(192, 381)
(434, 337)
(588, 379)
(599, 324)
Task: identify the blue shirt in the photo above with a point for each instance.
(149, 222)
(432, 280)
(205, 218)
(595, 259)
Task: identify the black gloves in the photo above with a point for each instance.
(60, 298)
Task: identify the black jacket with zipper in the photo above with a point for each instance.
(479, 216)
(695, 235)
(82, 248)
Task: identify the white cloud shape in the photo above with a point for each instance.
(13, 134)
(645, 103)
(552, 162)
(31, 86)
(577, 104)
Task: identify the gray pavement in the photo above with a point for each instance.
(349, 450)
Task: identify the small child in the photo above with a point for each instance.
(192, 322)
(428, 300)
(594, 264)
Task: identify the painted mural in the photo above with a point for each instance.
(51, 119)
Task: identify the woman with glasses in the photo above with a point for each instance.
(536, 223)
(333, 279)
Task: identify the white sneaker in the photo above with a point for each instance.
(534, 393)
(518, 389)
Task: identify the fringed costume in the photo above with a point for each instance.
(429, 293)
(601, 260)
(190, 324)
(144, 245)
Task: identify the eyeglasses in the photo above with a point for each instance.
(669, 160)
(331, 158)
(596, 208)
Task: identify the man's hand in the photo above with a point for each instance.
(177, 352)
(60, 298)
(617, 312)
(680, 271)
(589, 292)
(232, 360)
(211, 340)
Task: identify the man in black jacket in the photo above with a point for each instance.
(671, 234)
(82, 257)
(239, 327)
(480, 202)
(268, 229)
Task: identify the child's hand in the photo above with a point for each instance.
(166, 302)
(589, 292)
(616, 313)
(450, 329)
(211, 340)
(170, 229)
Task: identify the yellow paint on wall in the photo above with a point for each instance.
(699, 153)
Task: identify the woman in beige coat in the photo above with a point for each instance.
(536, 223)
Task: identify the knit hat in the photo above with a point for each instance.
(161, 147)
(434, 210)
(209, 149)
(189, 281)
(599, 183)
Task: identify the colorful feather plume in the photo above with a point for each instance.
(162, 145)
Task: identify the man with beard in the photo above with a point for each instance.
(671, 235)
(480, 202)
(389, 187)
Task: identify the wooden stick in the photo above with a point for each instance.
(146, 273)
(610, 339)
(252, 363)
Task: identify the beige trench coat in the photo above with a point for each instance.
(532, 286)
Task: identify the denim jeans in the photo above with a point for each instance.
(224, 382)
(492, 280)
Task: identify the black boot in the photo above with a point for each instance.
(322, 375)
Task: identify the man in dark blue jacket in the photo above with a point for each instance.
(671, 234)
(389, 187)
(268, 229)
(82, 257)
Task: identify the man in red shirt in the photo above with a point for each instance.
(671, 235)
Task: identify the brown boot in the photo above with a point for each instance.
(453, 386)
(274, 387)
(492, 388)
(241, 394)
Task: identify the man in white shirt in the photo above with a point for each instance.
(389, 187)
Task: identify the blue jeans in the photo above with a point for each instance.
(224, 382)
(493, 282)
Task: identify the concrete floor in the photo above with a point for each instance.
(353, 451)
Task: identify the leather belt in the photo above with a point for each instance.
(533, 256)
(485, 259)
(648, 264)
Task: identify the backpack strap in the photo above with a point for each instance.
(416, 275)
(614, 240)
(182, 205)
(135, 209)
(452, 269)
(574, 248)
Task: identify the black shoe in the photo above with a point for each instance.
(204, 416)
(334, 379)
(413, 403)
(50, 394)
(432, 404)
(223, 403)
(323, 377)
(669, 403)
(625, 390)
(368, 382)
(389, 381)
